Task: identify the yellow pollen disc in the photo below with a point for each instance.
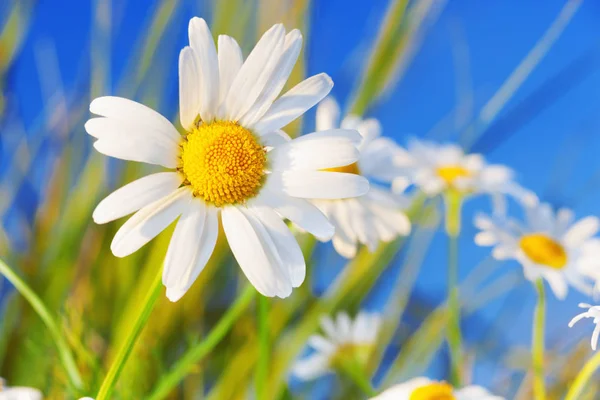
(348, 169)
(433, 391)
(544, 250)
(350, 352)
(223, 163)
(450, 173)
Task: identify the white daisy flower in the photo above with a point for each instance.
(426, 389)
(18, 392)
(232, 162)
(592, 312)
(435, 168)
(376, 216)
(344, 339)
(549, 245)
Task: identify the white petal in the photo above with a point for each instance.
(311, 367)
(274, 139)
(132, 112)
(486, 238)
(190, 248)
(581, 230)
(557, 284)
(301, 212)
(144, 225)
(344, 325)
(377, 160)
(328, 114)
(320, 184)
(136, 195)
(287, 247)
(475, 393)
(254, 252)
(202, 43)
(291, 51)
(128, 141)
(254, 74)
(321, 344)
(328, 326)
(369, 129)
(321, 153)
(230, 62)
(349, 134)
(294, 103)
(189, 88)
(20, 393)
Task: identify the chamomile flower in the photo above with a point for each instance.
(436, 168)
(426, 389)
(231, 164)
(549, 245)
(18, 392)
(592, 312)
(376, 216)
(344, 340)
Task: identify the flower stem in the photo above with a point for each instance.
(124, 352)
(355, 372)
(537, 348)
(583, 377)
(262, 371)
(38, 306)
(200, 350)
(453, 201)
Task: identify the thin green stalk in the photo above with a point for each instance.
(583, 377)
(262, 370)
(353, 370)
(453, 218)
(38, 306)
(202, 349)
(537, 348)
(124, 352)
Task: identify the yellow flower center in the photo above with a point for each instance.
(223, 162)
(348, 169)
(450, 173)
(433, 391)
(351, 352)
(544, 250)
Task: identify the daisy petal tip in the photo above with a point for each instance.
(174, 294)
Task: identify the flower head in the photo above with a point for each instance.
(376, 216)
(592, 312)
(18, 392)
(233, 163)
(548, 245)
(344, 339)
(435, 168)
(426, 389)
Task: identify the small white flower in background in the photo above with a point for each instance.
(18, 392)
(233, 163)
(426, 389)
(549, 245)
(376, 216)
(592, 312)
(435, 168)
(343, 339)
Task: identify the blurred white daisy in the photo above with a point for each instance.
(376, 216)
(18, 392)
(435, 168)
(232, 162)
(344, 339)
(549, 245)
(592, 312)
(426, 389)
